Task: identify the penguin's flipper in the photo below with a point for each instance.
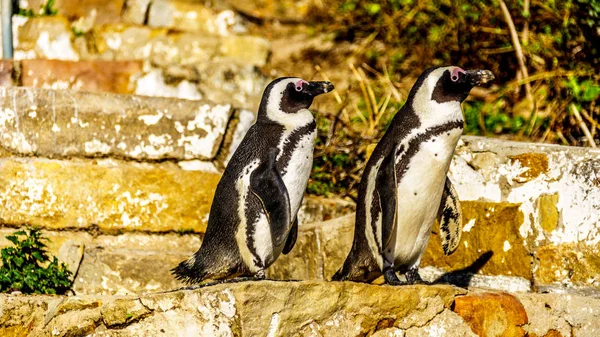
(386, 186)
(291, 238)
(266, 183)
(450, 219)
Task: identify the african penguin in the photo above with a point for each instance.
(252, 218)
(405, 186)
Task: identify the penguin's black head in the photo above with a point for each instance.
(453, 83)
(290, 95)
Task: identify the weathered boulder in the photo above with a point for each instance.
(132, 260)
(6, 73)
(48, 37)
(239, 309)
(194, 17)
(561, 315)
(111, 195)
(101, 11)
(135, 11)
(84, 124)
(555, 197)
(97, 76)
(492, 314)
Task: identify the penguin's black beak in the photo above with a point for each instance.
(477, 77)
(317, 88)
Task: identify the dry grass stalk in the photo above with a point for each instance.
(583, 126)
(519, 51)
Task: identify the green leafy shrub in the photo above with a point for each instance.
(23, 266)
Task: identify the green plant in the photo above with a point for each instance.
(77, 32)
(22, 266)
(46, 9)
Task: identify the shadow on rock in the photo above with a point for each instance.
(462, 277)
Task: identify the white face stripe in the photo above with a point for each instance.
(290, 121)
(429, 111)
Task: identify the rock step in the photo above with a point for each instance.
(269, 308)
(63, 124)
(539, 202)
(54, 37)
(184, 15)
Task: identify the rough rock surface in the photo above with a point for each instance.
(264, 308)
(100, 76)
(128, 261)
(555, 315)
(106, 194)
(492, 314)
(65, 123)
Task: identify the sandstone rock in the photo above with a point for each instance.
(6, 73)
(561, 315)
(102, 11)
(111, 195)
(304, 262)
(119, 42)
(47, 37)
(244, 50)
(521, 173)
(548, 211)
(492, 314)
(280, 10)
(122, 311)
(71, 253)
(237, 309)
(577, 264)
(502, 253)
(535, 164)
(98, 76)
(135, 11)
(445, 324)
(193, 17)
(91, 125)
(127, 272)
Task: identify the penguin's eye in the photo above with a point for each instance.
(299, 85)
(455, 74)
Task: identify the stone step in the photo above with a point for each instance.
(195, 16)
(530, 211)
(53, 37)
(221, 83)
(63, 124)
(133, 260)
(307, 308)
(108, 194)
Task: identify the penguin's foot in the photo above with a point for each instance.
(391, 278)
(413, 277)
(260, 275)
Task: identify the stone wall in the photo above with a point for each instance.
(169, 48)
(272, 309)
(123, 175)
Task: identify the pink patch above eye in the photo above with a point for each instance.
(299, 85)
(454, 77)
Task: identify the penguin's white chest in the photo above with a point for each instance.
(295, 177)
(419, 195)
(298, 170)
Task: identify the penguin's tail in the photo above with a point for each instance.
(357, 268)
(339, 275)
(190, 271)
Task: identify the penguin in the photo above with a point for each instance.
(405, 186)
(253, 216)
